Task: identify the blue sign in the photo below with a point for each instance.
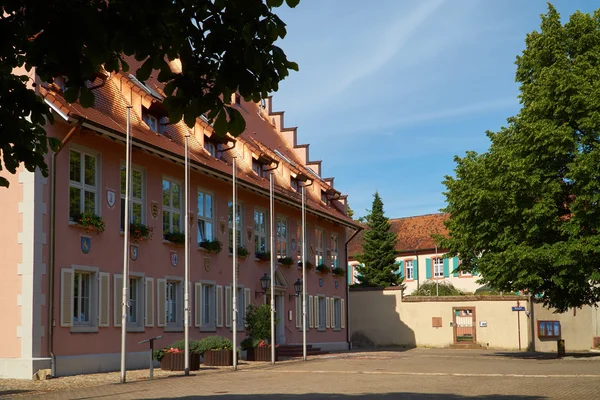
(518, 308)
(320, 282)
(86, 244)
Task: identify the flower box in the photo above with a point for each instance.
(261, 353)
(176, 362)
(219, 358)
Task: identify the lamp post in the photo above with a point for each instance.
(265, 282)
(272, 245)
(297, 288)
(186, 322)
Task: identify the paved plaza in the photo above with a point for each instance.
(381, 375)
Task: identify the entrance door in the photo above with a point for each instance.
(464, 325)
(280, 315)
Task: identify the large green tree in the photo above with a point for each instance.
(379, 250)
(224, 46)
(526, 213)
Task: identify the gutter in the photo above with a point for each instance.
(53, 248)
(348, 288)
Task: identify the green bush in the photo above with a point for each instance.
(258, 324)
(179, 345)
(431, 288)
(249, 343)
(214, 343)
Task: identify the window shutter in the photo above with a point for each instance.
(219, 303)
(198, 304)
(343, 314)
(455, 265)
(416, 268)
(298, 312)
(428, 268)
(446, 268)
(66, 297)
(161, 299)
(104, 299)
(327, 312)
(228, 305)
(247, 302)
(401, 268)
(149, 301)
(118, 285)
(311, 320)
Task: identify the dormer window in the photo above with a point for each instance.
(153, 120)
(238, 99)
(295, 184)
(210, 146)
(323, 196)
(61, 81)
(258, 168)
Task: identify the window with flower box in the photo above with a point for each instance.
(319, 245)
(83, 184)
(282, 237)
(171, 194)
(136, 194)
(260, 231)
(205, 216)
(239, 221)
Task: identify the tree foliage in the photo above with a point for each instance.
(379, 253)
(224, 46)
(526, 212)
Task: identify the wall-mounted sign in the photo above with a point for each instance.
(207, 264)
(86, 244)
(154, 209)
(518, 308)
(293, 243)
(133, 252)
(111, 198)
(336, 284)
(320, 282)
(174, 259)
(483, 324)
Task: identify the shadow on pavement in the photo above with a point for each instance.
(541, 356)
(12, 392)
(376, 396)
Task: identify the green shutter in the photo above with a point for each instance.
(416, 269)
(446, 267)
(428, 268)
(401, 269)
(455, 263)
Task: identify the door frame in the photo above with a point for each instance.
(474, 318)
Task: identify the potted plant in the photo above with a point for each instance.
(140, 232)
(287, 261)
(212, 246)
(216, 351)
(322, 268)
(309, 265)
(172, 358)
(90, 222)
(175, 237)
(258, 330)
(242, 252)
(262, 255)
(339, 271)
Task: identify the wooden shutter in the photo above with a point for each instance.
(219, 306)
(446, 268)
(343, 314)
(416, 268)
(327, 312)
(298, 307)
(311, 320)
(103, 299)
(428, 268)
(149, 301)
(161, 299)
(228, 306)
(118, 295)
(66, 296)
(401, 268)
(455, 266)
(198, 304)
(317, 317)
(247, 302)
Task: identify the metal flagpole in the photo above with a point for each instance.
(437, 285)
(125, 299)
(187, 263)
(272, 245)
(234, 250)
(303, 272)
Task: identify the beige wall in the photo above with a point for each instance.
(409, 322)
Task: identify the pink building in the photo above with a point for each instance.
(61, 286)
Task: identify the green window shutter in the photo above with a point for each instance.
(446, 267)
(455, 263)
(428, 268)
(401, 269)
(416, 269)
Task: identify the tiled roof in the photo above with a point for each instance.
(109, 112)
(414, 233)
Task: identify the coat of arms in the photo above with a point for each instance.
(174, 259)
(222, 226)
(111, 198)
(207, 264)
(293, 243)
(249, 234)
(86, 244)
(154, 209)
(133, 252)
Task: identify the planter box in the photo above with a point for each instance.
(218, 358)
(176, 362)
(261, 354)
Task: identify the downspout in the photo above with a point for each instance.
(52, 248)
(348, 290)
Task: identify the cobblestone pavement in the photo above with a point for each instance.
(381, 375)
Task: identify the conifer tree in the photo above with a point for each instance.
(379, 254)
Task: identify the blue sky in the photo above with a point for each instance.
(390, 91)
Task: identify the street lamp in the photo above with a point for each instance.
(297, 288)
(265, 282)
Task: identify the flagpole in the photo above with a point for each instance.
(234, 251)
(125, 298)
(186, 322)
(272, 206)
(303, 272)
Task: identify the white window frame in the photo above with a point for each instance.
(203, 217)
(171, 208)
(335, 243)
(409, 266)
(438, 268)
(210, 147)
(81, 185)
(260, 166)
(211, 324)
(280, 239)
(134, 200)
(319, 244)
(92, 326)
(258, 234)
(295, 184)
(239, 226)
(176, 326)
